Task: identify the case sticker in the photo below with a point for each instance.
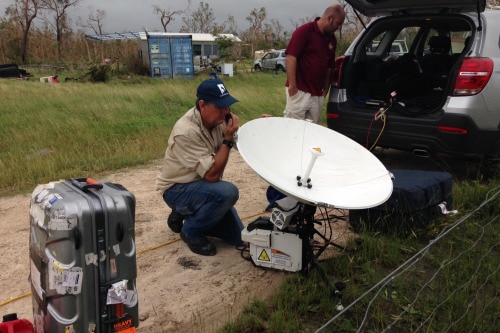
(42, 201)
(116, 249)
(69, 329)
(92, 328)
(118, 293)
(60, 221)
(112, 266)
(91, 259)
(124, 325)
(39, 192)
(65, 280)
(54, 198)
(35, 278)
(44, 197)
(37, 214)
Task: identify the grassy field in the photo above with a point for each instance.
(73, 129)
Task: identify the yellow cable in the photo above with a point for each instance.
(158, 246)
(380, 133)
(15, 299)
(254, 215)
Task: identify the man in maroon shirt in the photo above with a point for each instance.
(310, 55)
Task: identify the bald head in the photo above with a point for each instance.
(332, 19)
(335, 10)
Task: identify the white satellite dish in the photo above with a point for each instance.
(287, 152)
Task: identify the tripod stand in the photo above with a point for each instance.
(304, 224)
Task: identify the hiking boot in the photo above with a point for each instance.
(175, 221)
(199, 245)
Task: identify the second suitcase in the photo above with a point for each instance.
(418, 196)
(83, 257)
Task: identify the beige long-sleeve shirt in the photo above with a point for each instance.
(190, 152)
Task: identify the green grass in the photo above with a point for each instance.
(75, 129)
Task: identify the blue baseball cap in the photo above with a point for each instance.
(214, 91)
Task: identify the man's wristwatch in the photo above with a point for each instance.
(228, 143)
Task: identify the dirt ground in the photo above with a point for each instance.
(178, 290)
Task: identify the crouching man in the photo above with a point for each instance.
(190, 179)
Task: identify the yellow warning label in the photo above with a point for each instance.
(264, 256)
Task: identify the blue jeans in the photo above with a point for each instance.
(208, 208)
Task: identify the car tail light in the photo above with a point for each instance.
(452, 130)
(473, 76)
(333, 115)
(337, 71)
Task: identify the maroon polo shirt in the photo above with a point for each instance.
(315, 53)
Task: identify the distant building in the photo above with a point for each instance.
(203, 45)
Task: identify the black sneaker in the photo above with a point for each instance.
(175, 221)
(200, 245)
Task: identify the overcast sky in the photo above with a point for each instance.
(137, 15)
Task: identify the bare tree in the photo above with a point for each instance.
(24, 12)
(274, 33)
(230, 25)
(304, 20)
(60, 19)
(202, 20)
(491, 3)
(167, 16)
(256, 19)
(354, 22)
(94, 21)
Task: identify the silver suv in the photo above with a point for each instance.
(273, 60)
(441, 97)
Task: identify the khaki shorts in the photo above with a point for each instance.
(303, 105)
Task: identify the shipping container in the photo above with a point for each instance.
(171, 56)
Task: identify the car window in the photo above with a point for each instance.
(393, 42)
(406, 37)
(458, 41)
(432, 33)
(396, 47)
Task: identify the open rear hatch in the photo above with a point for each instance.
(373, 8)
(411, 57)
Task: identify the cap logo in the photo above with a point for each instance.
(222, 89)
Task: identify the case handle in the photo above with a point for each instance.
(89, 183)
(120, 232)
(78, 238)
